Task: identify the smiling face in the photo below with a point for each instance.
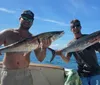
(26, 19)
(75, 26)
(26, 22)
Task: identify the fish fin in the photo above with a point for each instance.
(41, 46)
(0, 53)
(26, 53)
(53, 54)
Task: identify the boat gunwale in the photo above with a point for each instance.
(31, 65)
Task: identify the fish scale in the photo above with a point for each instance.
(80, 44)
(32, 43)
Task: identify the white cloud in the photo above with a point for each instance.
(54, 45)
(58, 46)
(52, 21)
(6, 10)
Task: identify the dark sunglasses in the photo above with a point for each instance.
(27, 19)
(77, 26)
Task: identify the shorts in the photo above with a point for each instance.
(92, 80)
(16, 77)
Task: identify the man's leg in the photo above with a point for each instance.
(24, 77)
(84, 81)
(95, 80)
(27, 80)
(7, 78)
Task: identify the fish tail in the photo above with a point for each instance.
(53, 54)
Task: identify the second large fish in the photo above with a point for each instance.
(80, 44)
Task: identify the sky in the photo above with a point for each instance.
(52, 15)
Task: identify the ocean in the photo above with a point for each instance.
(57, 60)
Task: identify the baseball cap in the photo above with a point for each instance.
(28, 13)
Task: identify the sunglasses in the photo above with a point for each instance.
(27, 19)
(77, 26)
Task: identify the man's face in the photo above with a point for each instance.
(26, 21)
(75, 27)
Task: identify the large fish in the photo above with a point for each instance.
(80, 44)
(29, 44)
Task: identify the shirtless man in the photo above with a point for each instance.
(15, 65)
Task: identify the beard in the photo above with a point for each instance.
(77, 32)
(25, 26)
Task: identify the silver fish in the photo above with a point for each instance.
(80, 44)
(31, 43)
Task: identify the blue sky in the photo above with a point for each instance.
(52, 15)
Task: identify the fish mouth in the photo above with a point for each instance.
(62, 33)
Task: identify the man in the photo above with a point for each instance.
(88, 67)
(15, 65)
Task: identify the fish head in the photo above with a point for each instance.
(53, 35)
(56, 35)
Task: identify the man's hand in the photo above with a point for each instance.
(40, 52)
(59, 52)
(45, 43)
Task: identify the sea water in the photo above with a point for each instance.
(57, 60)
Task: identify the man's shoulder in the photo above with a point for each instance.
(8, 30)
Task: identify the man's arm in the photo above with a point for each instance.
(65, 58)
(68, 56)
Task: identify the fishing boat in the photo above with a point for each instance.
(47, 74)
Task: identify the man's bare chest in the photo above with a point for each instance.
(15, 37)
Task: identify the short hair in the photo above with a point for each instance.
(75, 21)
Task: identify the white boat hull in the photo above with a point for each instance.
(46, 74)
